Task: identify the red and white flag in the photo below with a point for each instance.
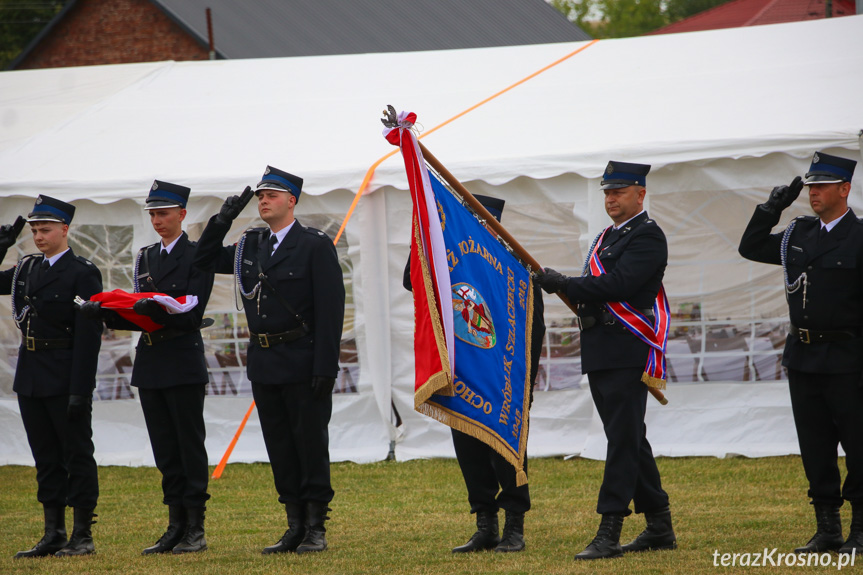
(433, 313)
(122, 302)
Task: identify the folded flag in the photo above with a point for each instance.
(122, 302)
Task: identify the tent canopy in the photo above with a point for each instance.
(722, 116)
(100, 132)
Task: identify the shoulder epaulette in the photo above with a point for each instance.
(315, 232)
(83, 260)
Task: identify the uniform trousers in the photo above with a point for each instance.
(489, 478)
(296, 432)
(175, 424)
(828, 410)
(630, 469)
(63, 450)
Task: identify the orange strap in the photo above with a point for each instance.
(365, 184)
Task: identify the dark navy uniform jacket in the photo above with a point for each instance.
(634, 259)
(305, 271)
(834, 269)
(178, 360)
(53, 315)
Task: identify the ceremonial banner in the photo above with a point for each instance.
(490, 305)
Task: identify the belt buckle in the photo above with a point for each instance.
(147, 339)
(263, 341)
(30, 342)
(803, 334)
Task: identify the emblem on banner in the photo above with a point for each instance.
(473, 323)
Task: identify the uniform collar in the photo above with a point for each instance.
(53, 259)
(627, 221)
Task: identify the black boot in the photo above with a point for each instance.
(81, 542)
(315, 538)
(606, 544)
(172, 535)
(828, 536)
(487, 534)
(55, 534)
(295, 533)
(513, 533)
(656, 536)
(855, 537)
(193, 539)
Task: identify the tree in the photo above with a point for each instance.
(680, 9)
(626, 18)
(20, 22)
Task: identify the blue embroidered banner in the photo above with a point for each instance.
(492, 298)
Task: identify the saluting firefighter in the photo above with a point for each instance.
(170, 369)
(294, 296)
(822, 257)
(631, 255)
(56, 373)
(489, 478)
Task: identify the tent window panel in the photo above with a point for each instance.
(109, 248)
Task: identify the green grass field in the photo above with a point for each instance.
(395, 518)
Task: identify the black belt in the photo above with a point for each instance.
(164, 334)
(588, 321)
(269, 339)
(33, 344)
(813, 336)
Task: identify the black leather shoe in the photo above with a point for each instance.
(54, 538)
(81, 541)
(193, 539)
(606, 544)
(658, 535)
(487, 534)
(854, 543)
(828, 536)
(295, 533)
(512, 539)
(315, 539)
(172, 535)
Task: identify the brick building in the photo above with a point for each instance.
(90, 32)
(739, 13)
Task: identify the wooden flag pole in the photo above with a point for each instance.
(503, 233)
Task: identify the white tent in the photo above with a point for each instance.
(722, 116)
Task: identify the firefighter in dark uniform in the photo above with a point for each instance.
(822, 257)
(170, 369)
(294, 296)
(634, 253)
(490, 479)
(56, 373)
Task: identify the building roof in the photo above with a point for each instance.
(272, 28)
(738, 13)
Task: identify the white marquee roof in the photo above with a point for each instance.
(104, 132)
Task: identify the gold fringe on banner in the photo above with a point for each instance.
(440, 382)
(483, 433)
(653, 382)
